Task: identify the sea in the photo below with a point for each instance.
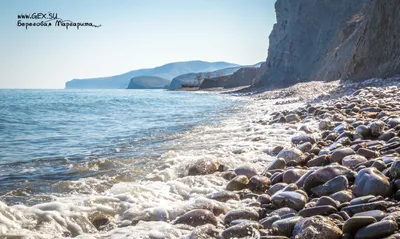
(47, 136)
(71, 159)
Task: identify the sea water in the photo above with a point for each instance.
(47, 136)
(68, 156)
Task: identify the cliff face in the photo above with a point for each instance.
(330, 40)
(242, 77)
(377, 51)
(219, 81)
(148, 82)
(178, 81)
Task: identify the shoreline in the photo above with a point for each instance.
(227, 189)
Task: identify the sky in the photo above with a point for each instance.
(134, 34)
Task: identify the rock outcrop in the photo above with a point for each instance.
(148, 82)
(331, 40)
(241, 77)
(219, 81)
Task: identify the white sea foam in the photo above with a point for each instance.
(145, 208)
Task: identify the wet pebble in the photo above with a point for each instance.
(293, 200)
(370, 181)
(197, 217)
(377, 230)
(237, 183)
(317, 227)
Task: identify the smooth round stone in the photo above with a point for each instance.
(336, 216)
(360, 200)
(318, 161)
(239, 231)
(197, 217)
(395, 169)
(223, 196)
(327, 173)
(299, 139)
(283, 211)
(264, 199)
(292, 175)
(276, 178)
(327, 201)
(367, 153)
(338, 154)
(377, 230)
(363, 130)
(352, 225)
(241, 214)
(237, 183)
(203, 167)
(377, 214)
(341, 127)
(278, 163)
(371, 109)
(352, 161)
(258, 183)
(293, 200)
(393, 122)
(317, 210)
(276, 150)
(255, 224)
(378, 164)
(246, 169)
(331, 137)
(317, 227)
(275, 188)
(284, 227)
(387, 136)
(345, 134)
(305, 147)
(353, 209)
(267, 222)
(377, 128)
(299, 183)
(292, 155)
(370, 181)
(290, 188)
(336, 184)
(342, 196)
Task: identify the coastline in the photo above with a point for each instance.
(187, 196)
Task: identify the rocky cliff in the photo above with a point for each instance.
(214, 82)
(330, 40)
(241, 77)
(178, 81)
(148, 82)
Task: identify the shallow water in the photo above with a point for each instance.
(166, 192)
(52, 135)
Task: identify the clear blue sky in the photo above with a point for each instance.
(134, 34)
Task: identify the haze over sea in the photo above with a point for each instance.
(49, 136)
